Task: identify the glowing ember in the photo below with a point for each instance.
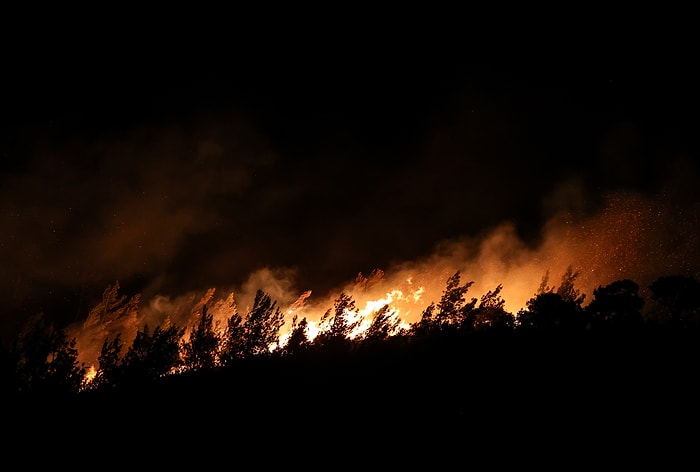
(90, 374)
(634, 238)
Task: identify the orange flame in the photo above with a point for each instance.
(624, 241)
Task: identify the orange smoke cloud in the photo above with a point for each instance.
(635, 237)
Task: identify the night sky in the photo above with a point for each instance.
(174, 168)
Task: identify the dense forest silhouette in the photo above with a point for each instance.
(466, 368)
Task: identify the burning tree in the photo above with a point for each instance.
(255, 335)
(491, 313)
(339, 323)
(452, 312)
(109, 371)
(298, 339)
(384, 324)
(200, 351)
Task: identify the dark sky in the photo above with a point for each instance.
(176, 167)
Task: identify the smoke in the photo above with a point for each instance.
(90, 211)
(630, 236)
(125, 314)
(309, 191)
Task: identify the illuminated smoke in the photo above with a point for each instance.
(86, 213)
(634, 236)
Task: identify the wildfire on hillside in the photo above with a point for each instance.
(629, 239)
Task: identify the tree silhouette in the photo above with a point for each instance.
(548, 311)
(555, 310)
(544, 284)
(426, 325)
(617, 305)
(153, 355)
(567, 289)
(340, 322)
(451, 312)
(46, 360)
(261, 328)
(491, 313)
(298, 340)
(384, 324)
(200, 351)
(109, 371)
(679, 297)
(232, 342)
(453, 309)
(64, 374)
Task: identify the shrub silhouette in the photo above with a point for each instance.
(46, 361)
(617, 306)
(679, 299)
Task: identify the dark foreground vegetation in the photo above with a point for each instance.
(558, 384)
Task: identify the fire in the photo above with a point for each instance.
(90, 374)
(598, 248)
(395, 299)
(405, 295)
(313, 329)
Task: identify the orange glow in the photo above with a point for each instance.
(623, 241)
(90, 374)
